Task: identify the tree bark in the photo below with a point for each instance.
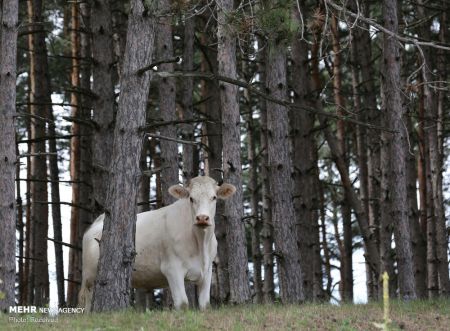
(117, 250)
(104, 103)
(8, 46)
(187, 130)
(301, 127)
(279, 167)
(39, 290)
(394, 114)
(167, 105)
(256, 218)
(213, 162)
(85, 173)
(346, 285)
(362, 57)
(232, 170)
(75, 153)
(432, 124)
(267, 225)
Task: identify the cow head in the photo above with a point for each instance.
(203, 193)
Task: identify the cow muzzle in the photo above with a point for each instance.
(202, 221)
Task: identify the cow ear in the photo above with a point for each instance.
(225, 191)
(178, 192)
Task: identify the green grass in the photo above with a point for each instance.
(420, 315)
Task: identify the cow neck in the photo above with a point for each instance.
(202, 238)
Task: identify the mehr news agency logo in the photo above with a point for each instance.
(53, 312)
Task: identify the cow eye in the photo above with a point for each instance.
(192, 200)
(214, 197)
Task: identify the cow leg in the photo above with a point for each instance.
(204, 290)
(176, 284)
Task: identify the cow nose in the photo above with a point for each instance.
(202, 220)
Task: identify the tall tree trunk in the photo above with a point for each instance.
(254, 203)
(346, 284)
(431, 105)
(20, 226)
(85, 173)
(213, 163)
(28, 249)
(232, 170)
(419, 244)
(279, 166)
(167, 104)
(362, 57)
(75, 153)
(301, 127)
(267, 225)
(56, 210)
(117, 250)
(39, 209)
(8, 46)
(104, 102)
(187, 99)
(394, 114)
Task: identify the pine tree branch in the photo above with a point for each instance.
(285, 103)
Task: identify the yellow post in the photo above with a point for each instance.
(386, 298)
(386, 320)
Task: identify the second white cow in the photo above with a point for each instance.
(173, 244)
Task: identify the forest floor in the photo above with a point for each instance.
(420, 315)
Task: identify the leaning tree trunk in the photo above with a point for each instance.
(232, 170)
(117, 249)
(8, 46)
(279, 168)
(394, 113)
(39, 208)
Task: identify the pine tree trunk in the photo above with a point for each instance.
(302, 125)
(85, 172)
(167, 104)
(56, 211)
(117, 250)
(187, 99)
(20, 227)
(394, 114)
(431, 105)
(347, 260)
(279, 167)
(232, 170)
(267, 227)
(213, 164)
(103, 105)
(254, 203)
(39, 210)
(362, 49)
(419, 244)
(75, 154)
(8, 46)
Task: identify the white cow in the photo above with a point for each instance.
(173, 244)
